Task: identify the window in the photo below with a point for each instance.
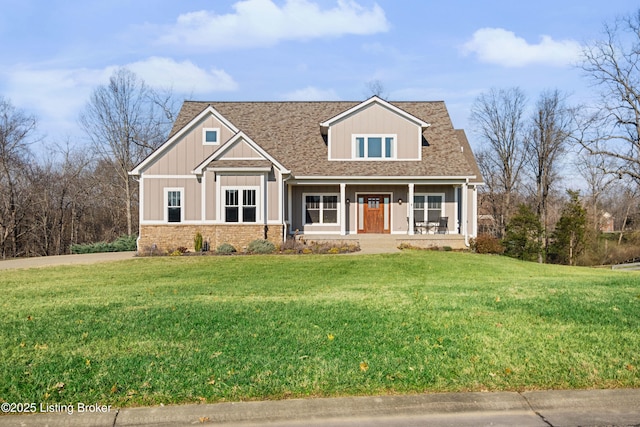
(321, 209)
(240, 205)
(428, 207)
(173, 205)
(211, 136)
(374, 147)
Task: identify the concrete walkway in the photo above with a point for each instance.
(534, 408)
(48, 261)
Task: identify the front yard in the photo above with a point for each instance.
(196, 329)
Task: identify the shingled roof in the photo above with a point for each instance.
(290, 132)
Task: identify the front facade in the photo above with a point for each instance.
(240, 171)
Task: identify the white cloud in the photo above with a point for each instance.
(258, 23)
(502, 47)
(183, 77)
(311, 93)
(56, 96)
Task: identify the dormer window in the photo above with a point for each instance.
(211, 136)
(374, 147)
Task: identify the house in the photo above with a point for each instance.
(240, 171)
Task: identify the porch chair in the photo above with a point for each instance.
(443, 225)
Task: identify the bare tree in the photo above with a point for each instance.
(375, 87)
(593, 169)
(613, 65)
(498, 117)
(125, 120)
(16, 130)
(546, 142)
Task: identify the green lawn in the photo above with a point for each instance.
(191, 329)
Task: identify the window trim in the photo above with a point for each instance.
(426, 202)
(166, 191)
(240, 189)
(383, 137)
(321, 214)
(204, 136)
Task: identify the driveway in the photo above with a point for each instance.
(47, 261)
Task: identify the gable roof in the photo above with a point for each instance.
(374, 100)
(289, 132)
(176, 133)
(218, 155)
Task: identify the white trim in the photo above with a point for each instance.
(265, 197)
(166, 191)
(229, 144)
(465, 213)
(426, 205)
(145, 176)
(279, 182)
(412, 229)
(422, 178)
(321, 223)
(455, 208)
(140, 204)
(204, 136)
(474, 213)
(366, 136)
(343, 209)
(373, 193)
(239, 169)
(290, 206)
(178, 135)
(203, 198)
(375, 100)
(240, 189)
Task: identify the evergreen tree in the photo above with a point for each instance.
(569, 237)
(522, 237)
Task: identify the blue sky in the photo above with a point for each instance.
(55, 52)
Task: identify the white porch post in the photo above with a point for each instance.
(465, 213)
(410, 207)
(290, 207)
(456, 204)
(343, 209)
(474, 214)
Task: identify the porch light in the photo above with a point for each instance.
(348, 201)
(400, 201)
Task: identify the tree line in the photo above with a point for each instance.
(530, 154)
(65, 195)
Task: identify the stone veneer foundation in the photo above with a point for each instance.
(169, 237)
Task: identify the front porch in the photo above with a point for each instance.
(384, 243)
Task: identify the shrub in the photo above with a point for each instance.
(225, 249)
(121, 244)
(197, 242)
(487, 244)
(261, 246)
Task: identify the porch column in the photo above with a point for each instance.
(343, 209)
(410, 206)
(290, 207)
(465, 212)
(474, 212)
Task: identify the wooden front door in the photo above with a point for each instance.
(373, 208)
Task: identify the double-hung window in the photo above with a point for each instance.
(428, 207)
(240, 205)
(321, 208)
(173, 205)
(374, 147)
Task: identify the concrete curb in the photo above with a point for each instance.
(536, 408)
